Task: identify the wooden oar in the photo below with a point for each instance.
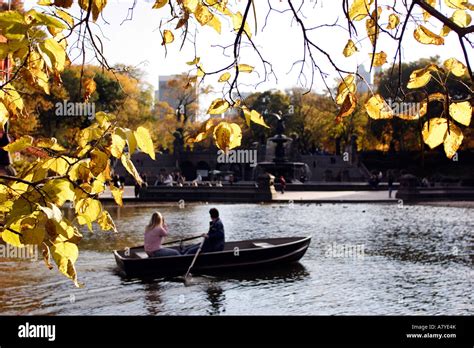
(181, 240)
(194, 260)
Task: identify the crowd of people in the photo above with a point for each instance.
(174, 178)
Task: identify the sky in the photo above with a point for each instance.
(137, 42)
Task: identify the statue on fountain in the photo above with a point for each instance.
(281, 165)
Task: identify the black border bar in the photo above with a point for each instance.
(193, 331)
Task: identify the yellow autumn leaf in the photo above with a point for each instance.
(456, 4)
(461, 112)
(245, 68)
(227, 135)
(118, 143)
(89, 88)
(436, 97)
(105, 222)
(89, 207)
(453, 140)
(53, 54)
(103, 119)
(224, 77)
(194, 61)
(426, 15)
(377, 108)
(130, 167)
(372, 30)
(99, 161)
(347, 107)
(378, 59)
(65, 255)
(129, 136)
(3, 115)
(346, 86)
(206, 129)
(360, 9)
(222, 133)
(393, 21)
(200, 71)
(413, 112)
(349, 49)
(12, 99)
(98, 186)
(445, 31)
(218, 106)
(19, 144)
(65, 17)
(254, 116)
(237, 19)
(202, 14)
(42, 80)
(97, 7)
(421, 77)
(376, 13)
(59, 191)
(455, 67)
(434, 131)
(58, 165)
(11, 238)
(427, 37)
(235, 136)
(215, 23)
(461, 18)
(117, 193)
(144, 142)
(160, 4)
(191, 5)
(168, 37)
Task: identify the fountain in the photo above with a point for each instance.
(281, 165)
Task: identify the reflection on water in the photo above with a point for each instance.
(152, 297)
(216, 298)
(415, 260)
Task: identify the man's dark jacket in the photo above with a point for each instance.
(216, 239)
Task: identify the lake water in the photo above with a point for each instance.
(364, 259)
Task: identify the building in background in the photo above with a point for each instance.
(180, 96)
(368, 78)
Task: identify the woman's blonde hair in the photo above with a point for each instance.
(156, 220)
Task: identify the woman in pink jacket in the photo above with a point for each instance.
(154, 234)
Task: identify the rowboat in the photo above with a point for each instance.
(238, 255)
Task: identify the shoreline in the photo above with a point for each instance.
(289, 197)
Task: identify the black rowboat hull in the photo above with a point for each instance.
(241, 255)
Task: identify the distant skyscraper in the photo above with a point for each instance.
(173, 90)
(367, 78)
